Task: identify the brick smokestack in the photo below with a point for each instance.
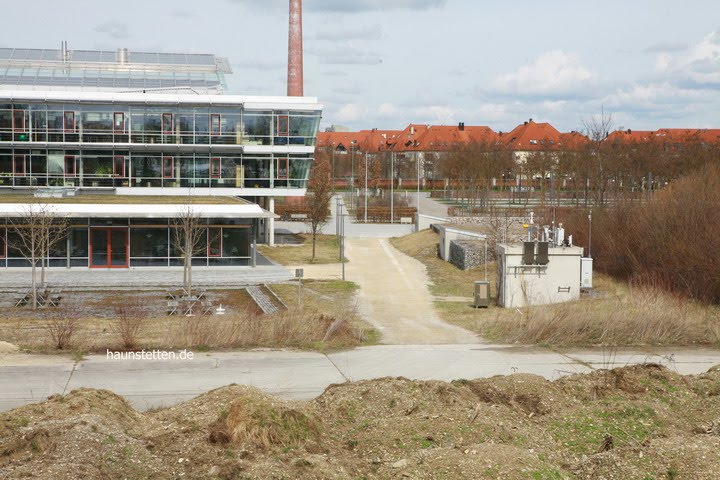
(295, 51)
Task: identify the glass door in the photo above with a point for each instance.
(118, 247)
(109, 247)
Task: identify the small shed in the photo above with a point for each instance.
(538, 273)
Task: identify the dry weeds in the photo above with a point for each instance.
(616, 313)
(633, 422)
(96, 321)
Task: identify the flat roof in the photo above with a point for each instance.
(136, 210)
(249, 101)
(118, 58)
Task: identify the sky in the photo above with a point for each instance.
(386, 63)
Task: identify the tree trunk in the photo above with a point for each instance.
(33, 260)
(314, 236)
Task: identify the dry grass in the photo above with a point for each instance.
(617, 314)
(106, 320)
(447, 279)
(326, 251)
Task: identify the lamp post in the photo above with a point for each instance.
(392, 185)
(366, 185)
(341, 230)
(417, 162)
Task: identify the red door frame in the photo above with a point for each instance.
(109, 247)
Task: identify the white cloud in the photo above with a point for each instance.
(700, 65)
(350, 112)
(552, 73)
(387, 109)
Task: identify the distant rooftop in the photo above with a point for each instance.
(104, 70)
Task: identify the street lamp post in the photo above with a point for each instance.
(366, 185)
(392, 186)
(417, 161)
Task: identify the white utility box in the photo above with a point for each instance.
(538, 273)
(586, 273)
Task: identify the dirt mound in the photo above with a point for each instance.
(531, 394)
(649, 378)
(6, 347)
(261, 423)
(632, 422)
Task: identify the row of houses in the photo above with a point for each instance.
(529, 136)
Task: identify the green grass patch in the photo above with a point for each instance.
(327, 250)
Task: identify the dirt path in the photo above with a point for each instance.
(394, 295)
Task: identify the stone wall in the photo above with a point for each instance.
(467, 254)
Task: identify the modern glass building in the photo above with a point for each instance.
(145, 130)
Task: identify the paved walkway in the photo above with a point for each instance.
(147, 277)
(303, 375)
(394, 296)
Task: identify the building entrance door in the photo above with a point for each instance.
(109, 247)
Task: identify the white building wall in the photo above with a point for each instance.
(520, 285)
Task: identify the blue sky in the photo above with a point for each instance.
(384, 64)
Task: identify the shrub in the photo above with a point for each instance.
(672, 241)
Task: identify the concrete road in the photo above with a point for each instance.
(303, 375)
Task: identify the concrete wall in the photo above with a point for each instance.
(448, 234)
(423, 222)
(519, 285)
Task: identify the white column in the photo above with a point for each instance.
(271, 222)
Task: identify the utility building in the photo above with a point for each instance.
(539, 273)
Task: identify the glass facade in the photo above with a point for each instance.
(40, 167)
(151, 124)
(122, 243)
(113, 145)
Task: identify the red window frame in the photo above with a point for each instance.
(215, 167)
(215, 124)
(3, 242)
(15, 126)
(283, 125)
(70, 162)
(286, 164)
(121, 117)
(19, 172)
(167, 119)
(168, 162)
(120, 158)
(69, 122)
(214, 238)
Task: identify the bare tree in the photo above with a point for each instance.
(597, 128)
(37, 230)
(189, 239)
(318, 198)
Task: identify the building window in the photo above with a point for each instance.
(119, 166)
(168, 167)
(18, 120)
(283, 124)
(3, 243)
(215, 124)
(69, 165)
(119, 122)
(69, 122)
(282, 168)
(167, 123)
(19, 167)
(214, 242)
(215, 167)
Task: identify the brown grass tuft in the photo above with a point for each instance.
(261, 424)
